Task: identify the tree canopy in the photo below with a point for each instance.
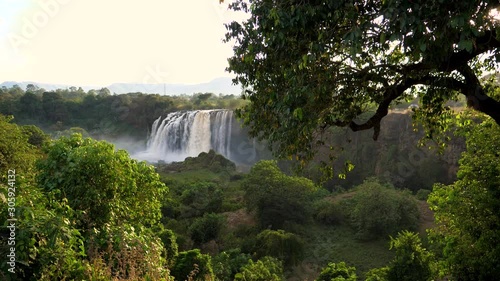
(311, 65)
(467, 211)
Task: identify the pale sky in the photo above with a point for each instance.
(100, 42)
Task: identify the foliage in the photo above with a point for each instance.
(423, 194)
(169, 240)
(377, 274)
(191, 200)
(328, 212)
(188, 261)
(467, 211)
(206, 228)
(412, 261)
(337, 272)
(105, 184)
(310, 65)
(100, 113)
(264, 269)
(282, 245)
(377, 210)
(35, 135)
(126, 252)
(15, 151)
(48, 245)
(276, 197)
(227, 263)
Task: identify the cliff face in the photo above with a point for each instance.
(395, 157)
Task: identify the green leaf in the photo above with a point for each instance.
(465, 45)
(297, 113)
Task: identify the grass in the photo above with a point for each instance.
(335, 244)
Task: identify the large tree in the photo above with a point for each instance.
(467, 212)
(311, 65)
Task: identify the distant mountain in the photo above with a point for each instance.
(221, 85)
(216, 86)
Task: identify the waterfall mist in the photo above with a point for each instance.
(187, 134)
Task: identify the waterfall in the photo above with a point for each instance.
(183, 134)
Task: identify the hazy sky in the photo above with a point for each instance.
(99, 42)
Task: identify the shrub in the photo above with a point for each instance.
(377, 274)
(327, 212)
(169, 240)
(265, 269)
(276, 197)
(206, 228)
(422, 194)
(199, 198)
(193, 262)
(377, 210)
(338, 272)
(412, 261)
(285, 246)
(226, 264)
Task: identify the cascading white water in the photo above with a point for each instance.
(184, 134)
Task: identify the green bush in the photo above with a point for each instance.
(377, 211)
(412, 261)
(422, 194)
(276, 197)
(377, 274)
(197, 199)
(337, 272)
(327, 212)
(285, 246)
(193, 262)
(206, 228)
(226, 264)
(169, 240)
(265, 269)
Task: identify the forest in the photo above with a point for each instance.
(381, 163)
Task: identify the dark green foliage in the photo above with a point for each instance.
(328, 212)
(100, 113)
(377, 210)
(337, 272)
(196, 199)
(227, 263)
(35, 135)
(191, 260)
(265, 269)
(422, 194)
(285, 246)
(206, 228)
(169, 240)
(467, 212)
(276, 197)
(54, 108)
(206, 160)
(15, 151)
(412, 262)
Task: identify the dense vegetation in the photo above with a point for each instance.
(75, 208)
(100, 113)
(82, 205)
